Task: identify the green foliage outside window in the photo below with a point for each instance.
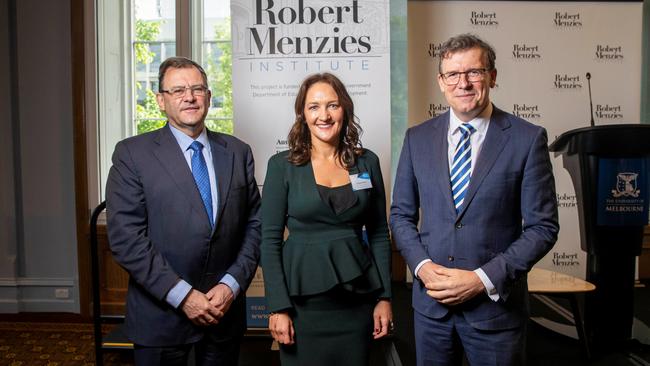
(220, 80)
(145, 31)
(146, 113)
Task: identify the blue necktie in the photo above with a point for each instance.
(461, 165)
(201, 177)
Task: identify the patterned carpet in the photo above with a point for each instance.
(51, 344)
(61, 340)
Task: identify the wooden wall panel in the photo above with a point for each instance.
(113, 279)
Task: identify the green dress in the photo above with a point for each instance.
(324, 274)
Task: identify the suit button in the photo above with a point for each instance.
(459, 225)
(451, 258)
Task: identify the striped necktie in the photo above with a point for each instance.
(201, 177)
(461, 165)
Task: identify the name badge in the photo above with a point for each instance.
(360, 181)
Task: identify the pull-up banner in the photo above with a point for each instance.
(277, 44)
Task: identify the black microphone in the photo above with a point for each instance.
(591, 104)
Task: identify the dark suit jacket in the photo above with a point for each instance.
(508, 220)
(159, 231)
(323, 249)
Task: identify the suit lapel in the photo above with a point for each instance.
(222, 159)
(440, 169)
(171, 158)
(494, 142)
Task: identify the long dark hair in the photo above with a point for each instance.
(349, 146)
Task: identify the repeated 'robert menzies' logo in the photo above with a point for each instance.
(609, 111)
(436, 109)
(434, 50)
(527, 111)
(565, 200)
(565, 259)
(525, 51)
(609, 53)
(567, 82)
(567, 20)
(483, 18)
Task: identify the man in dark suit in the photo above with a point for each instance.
(183, 220)
(482, 181)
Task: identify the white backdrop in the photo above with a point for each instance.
(544, 50)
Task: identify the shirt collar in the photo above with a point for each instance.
(480, 123)
(185, 141)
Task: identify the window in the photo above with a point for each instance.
(153, 39)
(216, 58)
(133, 38)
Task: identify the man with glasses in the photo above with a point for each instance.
(183, 220)
(482, 181)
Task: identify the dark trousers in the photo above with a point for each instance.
(441, 342)
(207, 352)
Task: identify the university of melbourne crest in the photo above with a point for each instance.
(623, 201)
(626, 185)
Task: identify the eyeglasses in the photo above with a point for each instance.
(179, 91)
(473, 75)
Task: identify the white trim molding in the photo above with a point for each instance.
(36, 294)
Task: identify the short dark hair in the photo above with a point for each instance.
(463, 42)
(178, 62)
(299, 139)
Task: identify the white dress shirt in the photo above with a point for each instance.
(177, 294)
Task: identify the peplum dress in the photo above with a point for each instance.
(327, 274)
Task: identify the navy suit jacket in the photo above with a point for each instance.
(159, 231)
(508, 220)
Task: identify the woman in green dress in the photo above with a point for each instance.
(327, 286)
